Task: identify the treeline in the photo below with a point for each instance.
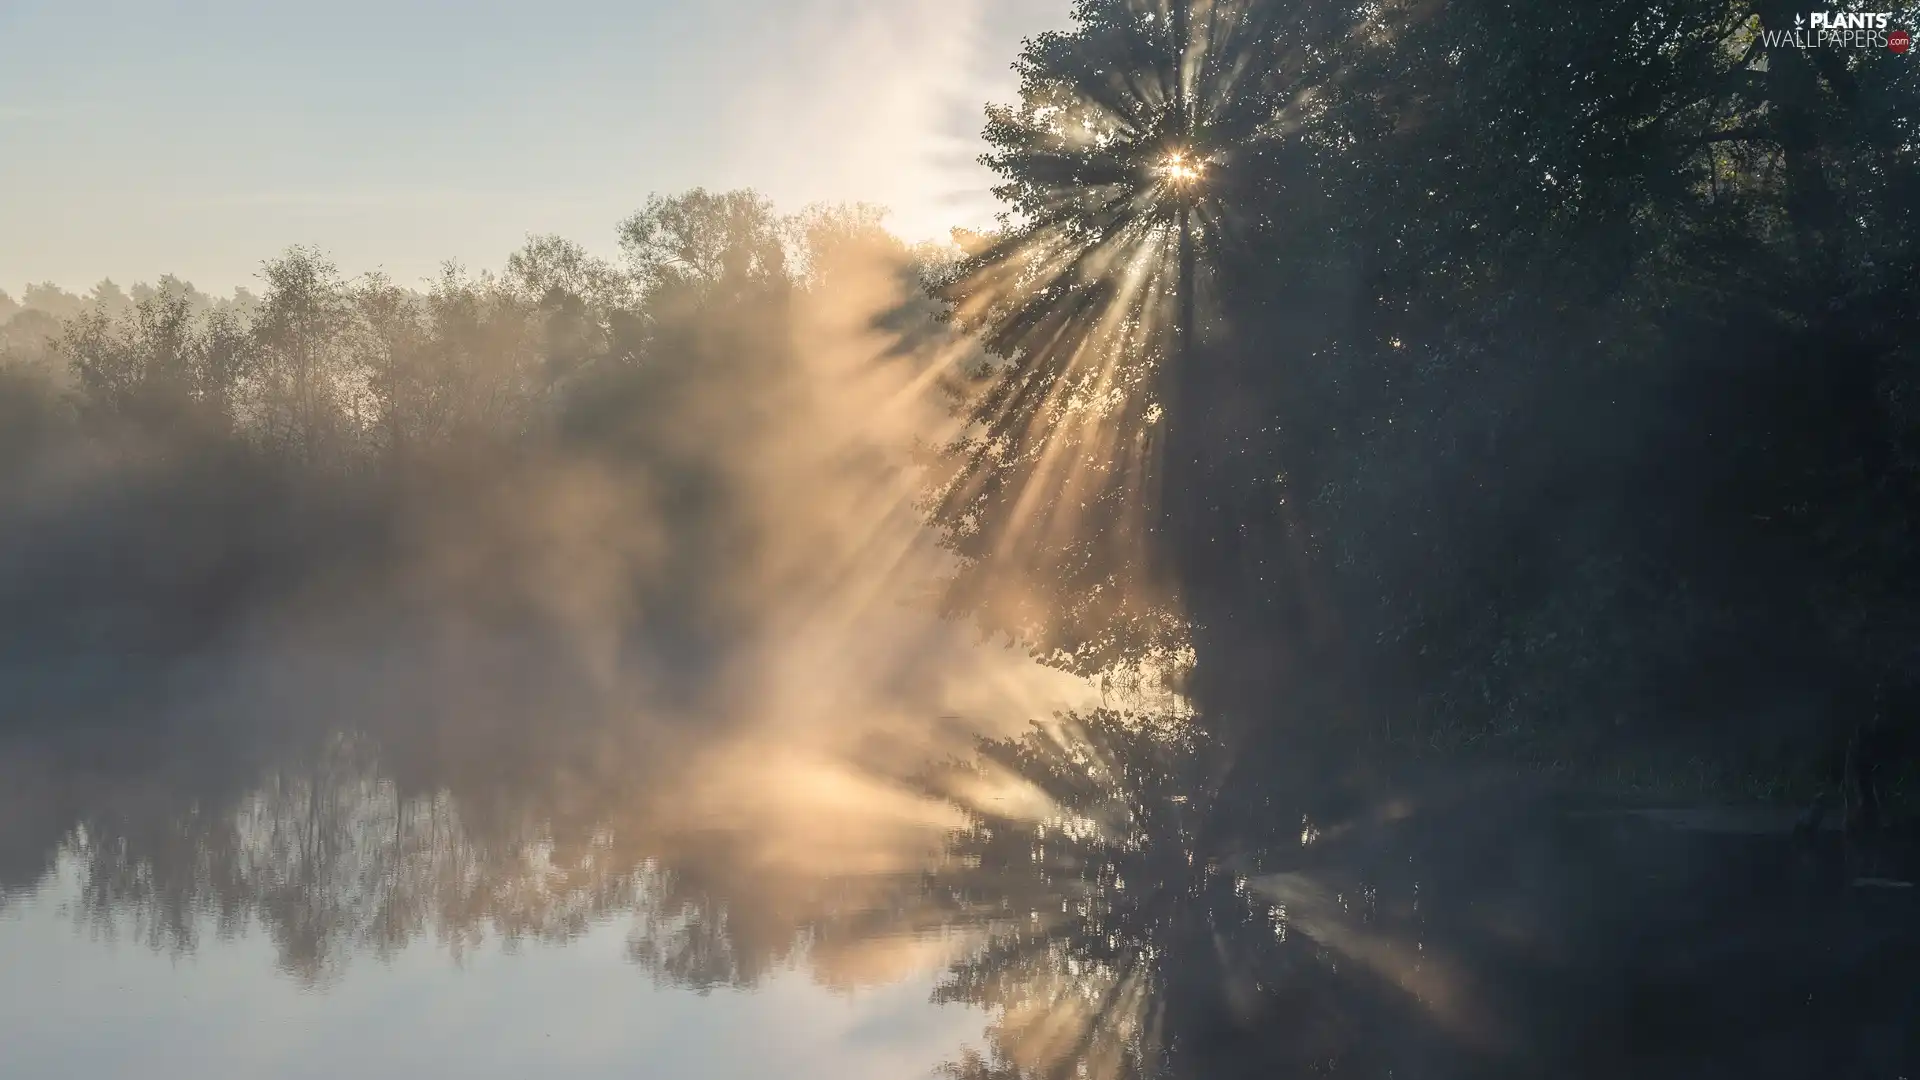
(558, 440)
(111, 300)
(31, 325)
(1540, 380)
(323, 366)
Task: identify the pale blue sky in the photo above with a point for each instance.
(198, 138)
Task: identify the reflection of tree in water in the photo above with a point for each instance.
(1110, 912)
(337, 858)
(1121, 936)
(1087, 907)
(1112, 926)
(1129, 924)
(1075, 903)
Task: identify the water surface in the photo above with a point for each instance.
(592, 892)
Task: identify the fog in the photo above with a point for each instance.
(1392, 555)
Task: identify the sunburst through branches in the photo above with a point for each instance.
(1121, 165)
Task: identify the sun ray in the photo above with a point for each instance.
(1122, 159)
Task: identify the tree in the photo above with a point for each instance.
(52, 299)
(305, 395)
(1635, 332)
(109, 299)
(159, 368)
(1488, 292)
(1128, 166)
(704, 239)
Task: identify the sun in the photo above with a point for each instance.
(1182, 170)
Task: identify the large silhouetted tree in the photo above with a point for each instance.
(1548, 389)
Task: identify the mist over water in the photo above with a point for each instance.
(725, 618)
(679, 670)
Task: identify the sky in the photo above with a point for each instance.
(200, 138)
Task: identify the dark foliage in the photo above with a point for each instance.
(1535, 380)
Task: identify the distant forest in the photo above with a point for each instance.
(535, 449)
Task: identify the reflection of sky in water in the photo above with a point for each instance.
(1090, 919)
(72, 1005)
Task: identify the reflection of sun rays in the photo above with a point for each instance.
(1075, 872)
(1112, 918)
(1061, 1015)
(1314, 911)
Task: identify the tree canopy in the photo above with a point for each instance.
(1549, 379)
